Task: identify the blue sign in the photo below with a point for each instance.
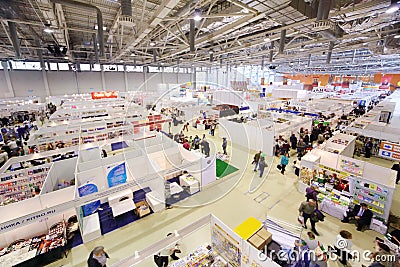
(387, 146)
(386, 153)
(116, 175)
(85, 190)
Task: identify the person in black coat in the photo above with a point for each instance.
(98, 257)
(396, 167)
(361, 214)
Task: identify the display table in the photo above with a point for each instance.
(123, 207)
(91, 227)
(187, 180)
(333, 209)
(175, 188)
(155, 201)
(121, 202)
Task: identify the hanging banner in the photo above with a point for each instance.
(88, 189)
(116, 174)
(102, 95)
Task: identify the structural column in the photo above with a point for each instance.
(8, 79)
(126, 79)
(103, 80)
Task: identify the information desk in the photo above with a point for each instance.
(188, 181)
(91, 228)
(121, 202)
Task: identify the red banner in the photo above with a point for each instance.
(102, 95)
(385, 82)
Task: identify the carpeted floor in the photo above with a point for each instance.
(224, 169)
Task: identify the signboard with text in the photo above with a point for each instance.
(102, 95)
(389, 150)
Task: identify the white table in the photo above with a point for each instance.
(156, 202)
(189, 181)
(175, 188)
(91, 227)
(335, 210)
(123, 207)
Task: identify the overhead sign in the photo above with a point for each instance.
(389, 150)
(102, 95)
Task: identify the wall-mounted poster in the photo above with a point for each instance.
(87, 189)
(351, 166)
(116, 174)
(389, 150)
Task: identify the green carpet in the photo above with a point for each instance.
(224, 169)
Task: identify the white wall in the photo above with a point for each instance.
(31, 83)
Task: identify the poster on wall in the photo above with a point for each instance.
(87, 189)
(385, 82)
(389, 150)
(351, 166)
(116, 174)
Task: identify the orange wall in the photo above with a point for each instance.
(308, 79)
(395, 78)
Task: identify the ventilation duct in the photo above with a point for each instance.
(282, 41)
(191, 35)
(324, 7)
(126, 8)
(14, 38)
(90, 7)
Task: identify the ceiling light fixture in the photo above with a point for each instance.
(197, 15)
(48, 30)
(397, 36)
(267, 40)
(394, 6)
(122, 61)
(96, 27)
(65, 57)
(211, 52)
(133, 54)
(152, 43)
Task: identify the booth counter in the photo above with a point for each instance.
(341, 144)
(343, 181)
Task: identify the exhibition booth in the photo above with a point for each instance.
(339, 143)
(342, 181)
(209, 242)
(106, 193)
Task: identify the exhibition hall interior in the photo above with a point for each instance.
(194, 133)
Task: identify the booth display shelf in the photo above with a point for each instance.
(19, 185)
(34, 251)
(202, 256)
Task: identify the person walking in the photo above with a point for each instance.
(224, 145)
(196, 142)
(307, 209)
(396, 167)
(284, 162)
(256, 159)
(206, 147)
(98, 257)
(368, 148)
(262, 164)
(311, 193)
(186, 127)
(293, 141)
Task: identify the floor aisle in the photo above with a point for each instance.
(233, 207)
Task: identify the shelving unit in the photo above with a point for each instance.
(18, 186)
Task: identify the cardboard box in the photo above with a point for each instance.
(264, 234)
(257, 242)
(142, 212)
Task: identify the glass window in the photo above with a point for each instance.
(134, 69)
(110, 67)
(53, 66)
(120, 67)
(154, 69)
(33, 65)
(168, 69)
(63, 66)
(96, 67)
(1, 65)
(85, 67)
